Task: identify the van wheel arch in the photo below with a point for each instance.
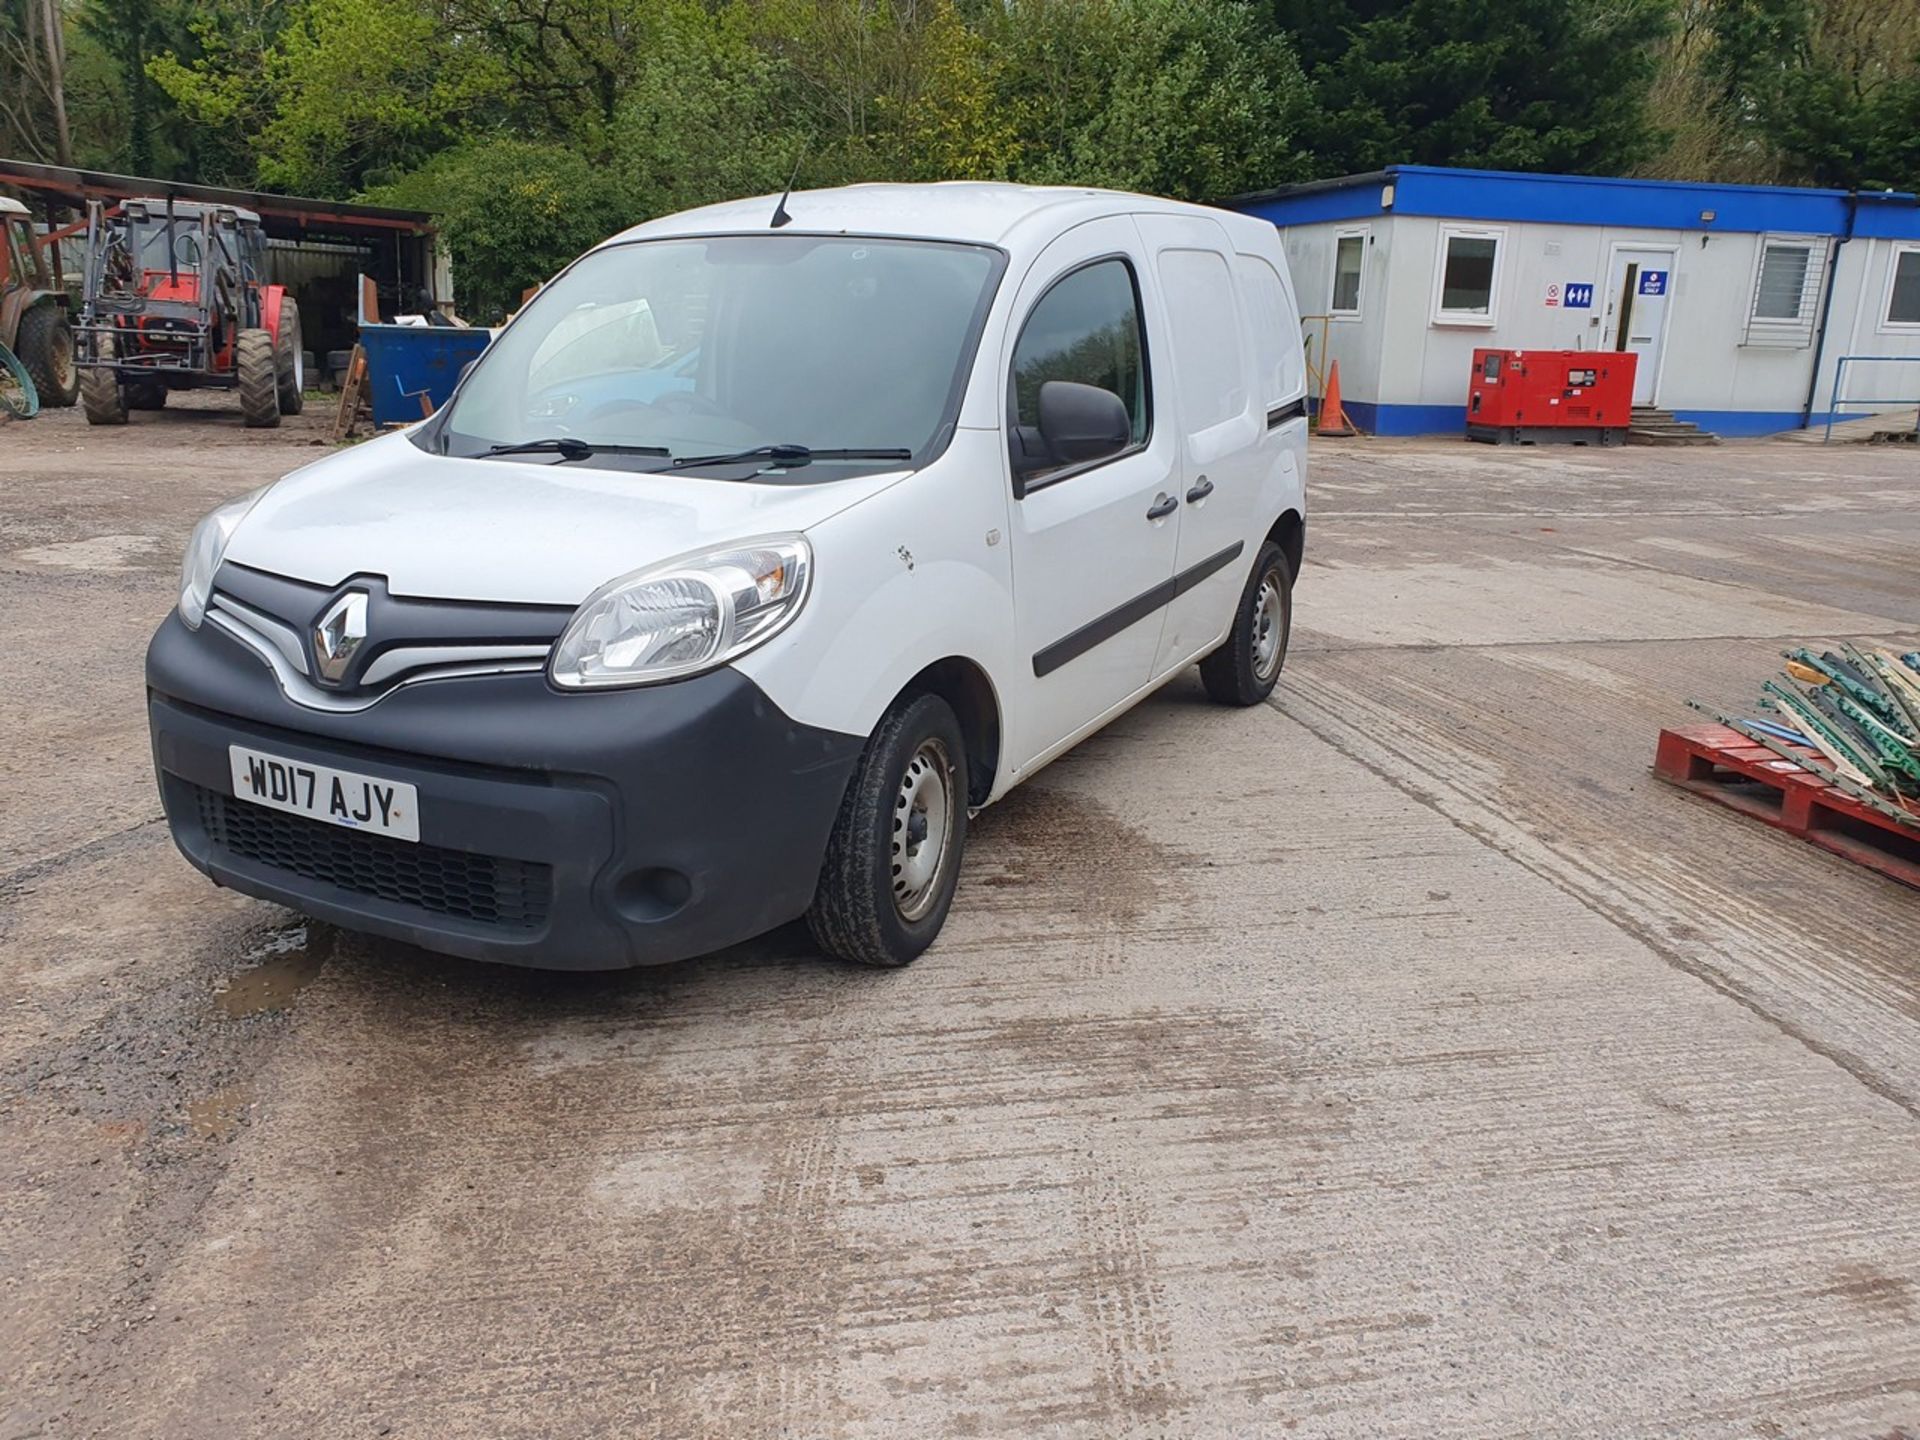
(968, 690)
(1289, 532)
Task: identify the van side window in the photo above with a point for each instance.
(1085, 329)
(1277, 364)
(1203, 312)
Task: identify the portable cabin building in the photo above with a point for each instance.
(1739, 301)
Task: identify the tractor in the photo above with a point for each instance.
(176, 299)
(34, 323)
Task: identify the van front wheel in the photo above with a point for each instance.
(1243, 671)
(893, 859)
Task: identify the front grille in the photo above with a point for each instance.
(488, 889)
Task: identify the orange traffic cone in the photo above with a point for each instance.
(1333, 419)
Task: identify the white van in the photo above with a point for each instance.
(766, 545)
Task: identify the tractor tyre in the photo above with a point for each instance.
(100, 393)
(289, 360)
(256, 371)
(45, 346)
(145, 395)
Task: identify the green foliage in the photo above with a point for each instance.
(1830, 87)
(1191, 98)
(684, 101)
(513, 213)
(1499, 84)
(534, 127)
(326, 94)
(705, 116)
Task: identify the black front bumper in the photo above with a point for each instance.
(567, 831)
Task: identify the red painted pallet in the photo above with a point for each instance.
(1724, 765)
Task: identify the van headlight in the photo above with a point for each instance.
(687, 615)
(204, 553)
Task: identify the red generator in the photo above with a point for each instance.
(1566, 397)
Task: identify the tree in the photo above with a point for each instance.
(33, 79)
(512, 213)
(1499, 84)
(329, 95)
(1832, 87)
(708, 114)
(128, 116)
(1189, 98)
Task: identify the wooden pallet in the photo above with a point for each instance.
(353, 397)
(1725, 766)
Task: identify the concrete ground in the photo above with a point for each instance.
(1395, 1059)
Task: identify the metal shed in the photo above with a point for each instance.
(315, 247)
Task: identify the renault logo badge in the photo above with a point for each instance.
(338, 633)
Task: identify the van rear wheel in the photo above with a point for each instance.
(1244, 669)
(893, 859)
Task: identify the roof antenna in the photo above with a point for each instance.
(780, 215)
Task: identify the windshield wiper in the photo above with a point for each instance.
(787, 456)
(568, 448)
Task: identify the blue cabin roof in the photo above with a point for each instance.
(1588, 200)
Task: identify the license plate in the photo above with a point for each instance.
(319, 792)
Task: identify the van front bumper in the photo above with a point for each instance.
(564, 831)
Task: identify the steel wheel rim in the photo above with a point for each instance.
(1268, 628)
(922, 830)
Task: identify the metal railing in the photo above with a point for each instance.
(1835, 399)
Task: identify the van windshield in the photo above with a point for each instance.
(673, 349)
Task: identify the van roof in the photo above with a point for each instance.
(966, 210)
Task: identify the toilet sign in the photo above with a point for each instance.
(1579, 297)
(1653, 282)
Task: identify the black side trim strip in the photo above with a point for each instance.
(1214, 563)
(1072, 647)
(1281, 414)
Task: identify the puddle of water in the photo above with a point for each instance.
(217, 1116)
(288, 965)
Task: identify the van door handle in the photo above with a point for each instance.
(1163, 506)
(1202, 488)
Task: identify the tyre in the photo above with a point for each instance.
(44, 344)
(893, 859)
(100, 393)
(145, 395)
(1243, 670)
(289, 360)
(256, 370)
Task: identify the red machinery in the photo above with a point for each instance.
(1567, 397)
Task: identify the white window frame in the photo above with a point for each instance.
(1448, 234)
(1364, 234)
(1888, 325)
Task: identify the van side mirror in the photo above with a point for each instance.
(1082, 422)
